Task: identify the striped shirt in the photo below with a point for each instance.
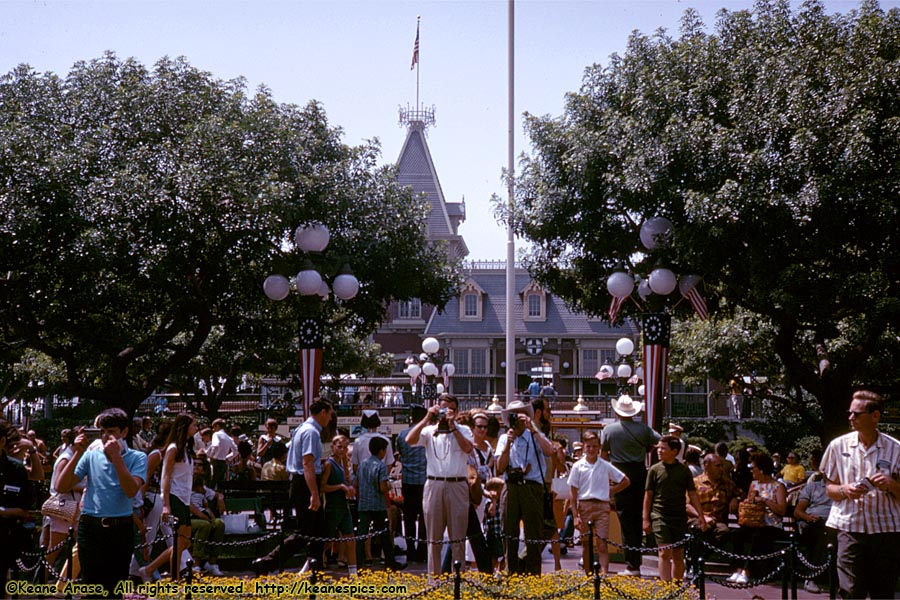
(846, 461)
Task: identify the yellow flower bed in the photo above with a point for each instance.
(388, 584)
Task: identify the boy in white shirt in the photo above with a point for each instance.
(590, 479)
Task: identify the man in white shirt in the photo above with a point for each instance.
(862, 469)
(220, 449)
(445, 499)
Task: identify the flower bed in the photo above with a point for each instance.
(388, 584)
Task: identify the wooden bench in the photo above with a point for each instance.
(273, 495)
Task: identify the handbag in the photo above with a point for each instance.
(236, 524)
(61, 506)
(560, 486)
(751, 514)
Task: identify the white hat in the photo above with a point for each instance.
(626, 407)
(675, 428)
(517, 406)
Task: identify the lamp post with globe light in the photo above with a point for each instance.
(424, 370)
(655, 293)
(312, 240)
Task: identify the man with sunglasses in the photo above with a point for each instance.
(862, 469)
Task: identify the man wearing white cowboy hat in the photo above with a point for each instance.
(520, 458)
(625, 444)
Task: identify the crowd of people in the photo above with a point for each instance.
(461, 486)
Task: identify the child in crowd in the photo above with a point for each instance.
(493, 521)
(205, 525)
(665, 513)
(372, 481)
(590, 479)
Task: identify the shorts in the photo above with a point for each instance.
(596, 511)
(669, 533)
(338, 520)
(180, 511)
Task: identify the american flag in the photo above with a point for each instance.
(656, 360)
(688, 288)
(310, 342)
(614, 307)
(415, 58)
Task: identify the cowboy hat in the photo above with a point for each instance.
(626, 407)
(517, 406)
(675, 428)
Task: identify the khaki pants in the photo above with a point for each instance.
(446, 506)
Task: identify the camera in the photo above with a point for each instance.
(91, 433)
(515, 476)
(513, 420)
(864, 484)
(442, 413)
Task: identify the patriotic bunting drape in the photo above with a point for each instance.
(657, 327)
(310, 344)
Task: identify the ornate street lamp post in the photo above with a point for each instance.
(423, 372)
(311, 240)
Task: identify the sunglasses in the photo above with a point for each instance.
(856, 413)
(481, 427)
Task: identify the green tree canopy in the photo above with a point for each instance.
(773, 146)
(140, 211)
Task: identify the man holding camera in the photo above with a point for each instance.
(862, 469)
(445, 499)
(520, 456)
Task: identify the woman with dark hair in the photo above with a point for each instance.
(176, 483)
(770, 496)
(57, 529)
(741, 475)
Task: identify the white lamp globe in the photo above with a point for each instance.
(644, 290)
(663, 281)
(606, 371)
(623, 370)
(448, 369)
(641, 389)
(308, 282)
(423, 357)
(639, 371)
(277, 287)
(439, 388)
(624, 346)
(430, 345)
(656, 232)
(345, 286)
(312, 238)
(620, 284)
(324, 290)
(430, 369)
(413, 370)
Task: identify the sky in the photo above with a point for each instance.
(354, 58)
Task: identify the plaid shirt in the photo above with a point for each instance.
(493, 526)
(413, 460)
(371, 473)
(715, 498)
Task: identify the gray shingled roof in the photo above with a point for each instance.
(560, 320)
(416, 169)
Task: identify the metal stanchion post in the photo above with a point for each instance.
(70, 563)
(832, 572)
(792, 563)
(175, 558)
(40, 573)
(596, 568)
(313, 575)
(590, 542)
(457, 580)
(189, 576)
(700, 578)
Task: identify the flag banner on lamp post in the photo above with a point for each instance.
(310, 344)
(657, 327)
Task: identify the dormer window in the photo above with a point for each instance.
(409, 309)
(471, 302)
(534, 303)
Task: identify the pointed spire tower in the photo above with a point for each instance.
(416, 169)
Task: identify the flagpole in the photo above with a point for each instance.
(510, 231)
(418, 20)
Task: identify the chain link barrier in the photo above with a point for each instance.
(724, 582)
(814, 570)
(734, 556)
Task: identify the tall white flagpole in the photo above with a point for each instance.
(510, 241)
